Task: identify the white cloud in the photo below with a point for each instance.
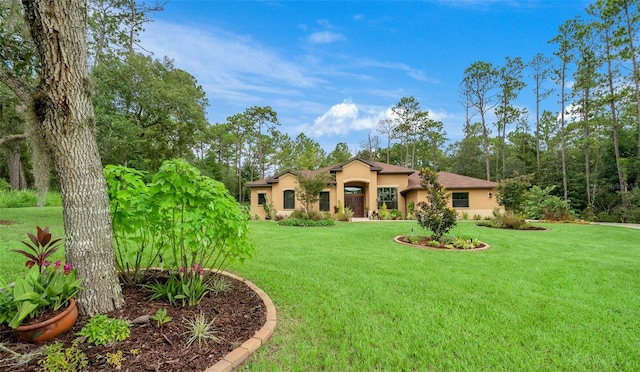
(325, 37)
(344, 118)
(227, 62)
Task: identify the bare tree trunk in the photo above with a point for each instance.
(16, 170)
(64, 112)
(614, 120)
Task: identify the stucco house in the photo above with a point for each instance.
(364, 186)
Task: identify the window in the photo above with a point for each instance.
(289, 199)
(460, 199)
(324, 201)
(353, 190)
(388, 196)
(262, 199)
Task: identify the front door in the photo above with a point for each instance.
(355, 203)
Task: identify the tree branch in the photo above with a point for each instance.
(13, 137)
(18, 85)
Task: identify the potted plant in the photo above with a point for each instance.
(46, 289)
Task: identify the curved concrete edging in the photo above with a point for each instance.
(397, 240)
(242, 352)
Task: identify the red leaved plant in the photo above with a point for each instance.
(42, 247)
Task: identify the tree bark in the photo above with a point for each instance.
(64, 113)
(16, 169)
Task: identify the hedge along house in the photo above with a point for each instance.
(364, 186)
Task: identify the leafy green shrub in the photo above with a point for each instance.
(464, 215)
(279, 217)
(434, 215)
(102, 330)
(512, 192)
(411, 208)
(179, 219)
(540, 204)
(395, 214)
(305, 222)
(505, 221)
(477, 217)
(269, 209)
(59, 359)
(345, 215)
(4, 185)
(18, 199)
(315, 215)
(383, 213)
(299, 214)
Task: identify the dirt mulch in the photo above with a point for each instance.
(424, 242)
(239, 313)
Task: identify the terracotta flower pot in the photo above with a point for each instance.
(50, 328)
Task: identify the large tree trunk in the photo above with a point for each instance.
(63, 109)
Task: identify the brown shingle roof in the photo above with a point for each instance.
(450, 181)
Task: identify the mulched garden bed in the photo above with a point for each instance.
(239, 313)
(424, 242)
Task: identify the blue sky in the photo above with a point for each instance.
(333, 69)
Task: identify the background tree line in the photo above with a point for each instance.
(147, 110)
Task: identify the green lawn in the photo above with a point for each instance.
(348, 298)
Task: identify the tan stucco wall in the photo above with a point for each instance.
(479, 201)
(258, 210)
(399, 181)
(356, 173)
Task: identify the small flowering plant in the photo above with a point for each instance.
(45, 287)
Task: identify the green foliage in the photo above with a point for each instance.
(411, 208)
(102, 330)
(344, 214)
(115, 359)
(540, 204)
(310, 186)
(383, 213)
(161, 317)
(201, 330)
(26, 198)
(44, 287)
(505, 221)
(511, 192)
(632, 212)
(4, 186)
(146, 111)
(18, 199)
(300, 222)
(269, 209)
(219, 284)
(434, 214)
(395, 214)
(178, 220)
(188, 287)
(57, 358)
